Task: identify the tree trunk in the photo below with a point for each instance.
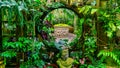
(101, 35)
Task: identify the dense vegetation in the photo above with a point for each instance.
(27, 32)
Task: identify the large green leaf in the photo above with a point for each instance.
(8, 54)
(82, 20)
(81, 9)
(112, 26)
(94, 11)
(109, 34)
(87, 9)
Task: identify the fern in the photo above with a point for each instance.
(106, 53)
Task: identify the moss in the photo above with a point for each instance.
(63, 25)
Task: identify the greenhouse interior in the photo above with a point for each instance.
(60, 34)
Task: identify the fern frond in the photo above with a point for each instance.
(105, 53)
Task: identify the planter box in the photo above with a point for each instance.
(61, 31)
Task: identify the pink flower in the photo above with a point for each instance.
(82, 61)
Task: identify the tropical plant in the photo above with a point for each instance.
(97, 63)
(23, 45)
(106, 53)
(25, 14)
(90, 45)
(32, 64)
(109, 18)
(89, 33)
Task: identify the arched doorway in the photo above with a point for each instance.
(73, 10)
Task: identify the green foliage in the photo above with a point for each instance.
(109, 54)
(38, 1)
(108, 16)
(33, 47)
(97, 66)
(97, 63)
(109, 23)
(77, 54)
(90, 45)
(23, 44)
(83, 66)
(94, 11)
(88, 19)
(116, 52)
(30, 64)
(11, 11)
(55, 5)
(75, 62)
(87, 10)
(82, 20)
(21, 11)
(8, 54)
(49, 67)
(61, 15)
